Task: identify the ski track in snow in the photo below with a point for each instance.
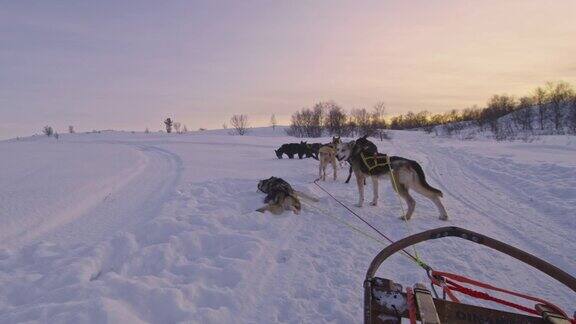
(175, 239)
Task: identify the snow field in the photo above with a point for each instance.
(168, 233)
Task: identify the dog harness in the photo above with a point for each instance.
(375, 161)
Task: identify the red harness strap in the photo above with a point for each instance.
(445, 289)
(452, 285)
(411, 305)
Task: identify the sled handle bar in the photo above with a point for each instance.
(448, 231)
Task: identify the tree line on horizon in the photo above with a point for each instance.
(329, 118)
(551, 107)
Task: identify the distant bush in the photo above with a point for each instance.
(240, 124)
(48, 130)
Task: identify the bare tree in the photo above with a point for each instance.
(523, 115)
(56, 135)
(307, 122)
(318, 111)
(379, 111)
(539, 98)
(224, 126)
(498, 106)
(559, 95)
(48, 130)
(335, 120)
(71, 129)
(240, 124)
(362, 121)
(572, 115)
(168, 122)
(378, 121)
(146, 131)
(184, 129)
(273, 121)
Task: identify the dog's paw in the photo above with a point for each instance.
(444, 217)
(374, 203)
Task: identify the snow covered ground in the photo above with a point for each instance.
(160, 228)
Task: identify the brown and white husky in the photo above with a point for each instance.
(407, 174)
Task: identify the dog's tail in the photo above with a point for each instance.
(422, 178)
(306, 196)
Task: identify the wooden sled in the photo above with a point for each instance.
(386, 302)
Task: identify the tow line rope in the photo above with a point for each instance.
(354, 228)
(415, 258)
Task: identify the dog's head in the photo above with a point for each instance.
(278, 153)
(336, 140)
(306, 148)
(363, 144)
(345, 150)
(264, 185)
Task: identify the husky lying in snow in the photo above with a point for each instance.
(407, 174)
(280, 196)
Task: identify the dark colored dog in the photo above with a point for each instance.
(368, 147)
(301, 149)
(313, 149)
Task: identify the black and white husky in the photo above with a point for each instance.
(407, 174)
(280, 196)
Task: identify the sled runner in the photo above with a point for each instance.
(386, 302)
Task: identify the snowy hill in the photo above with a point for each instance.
(160, 228)
(520, 124)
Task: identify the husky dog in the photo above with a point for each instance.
(335, 141)
(327, 156)
(370, 147)
(280, 196)
(313, 148)
(290, 149)
(407, 174)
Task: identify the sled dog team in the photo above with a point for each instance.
(365, 162)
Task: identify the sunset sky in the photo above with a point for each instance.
(129, 64)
